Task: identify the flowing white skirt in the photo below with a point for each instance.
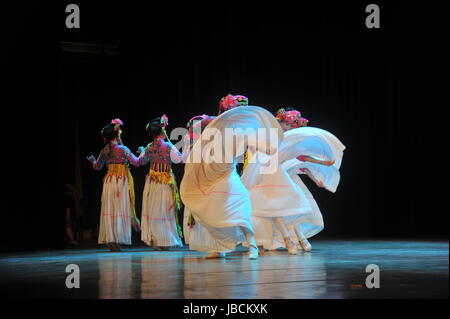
(283, 193)
(198, 237)
(158, 223)
(306, 217)
(222, 214)
(115, 216)
(212, 190)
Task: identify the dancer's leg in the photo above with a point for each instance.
(252, 247)
(303, 241)
(282, 227)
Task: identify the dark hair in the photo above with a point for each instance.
(287, 109)
(109, 133)
(154, 127)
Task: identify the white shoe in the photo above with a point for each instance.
(305, 244)
(253, 252)
(290, 246)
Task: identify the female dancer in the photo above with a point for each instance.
(281, 202)
(161, 200)
(213, 191)
(196, 235)
(117, 211)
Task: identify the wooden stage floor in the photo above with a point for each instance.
(334, 269)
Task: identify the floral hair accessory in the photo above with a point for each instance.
(242, 100)
(281, 114)
(231, 101)
(303, 121)
(164, 121)
(293, 118)
(117, 123)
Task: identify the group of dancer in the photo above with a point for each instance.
(226, 203)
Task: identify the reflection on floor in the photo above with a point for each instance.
(334, 269)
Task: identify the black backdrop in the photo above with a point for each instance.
(383, 92)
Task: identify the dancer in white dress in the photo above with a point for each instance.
(117, 211)
(195, 235)
(213, 191)
(284, 211)
(161, 201)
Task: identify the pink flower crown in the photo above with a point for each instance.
(164, 121)
(231, 101)
(117, 123)
(293, 118)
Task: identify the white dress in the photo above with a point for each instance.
(196, 235)
(283, 194)
(117, 208)
(213, 191)
(159, 207)
(115, 217)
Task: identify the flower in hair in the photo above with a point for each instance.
(117, 123)
(164, 121)
(228, 102)
(281, 114)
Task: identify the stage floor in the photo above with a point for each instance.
(334, 269)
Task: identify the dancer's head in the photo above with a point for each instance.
(201, 121)
(196, 120)
(231, 101)
(112, 131)
(157, 126)
(290, 118)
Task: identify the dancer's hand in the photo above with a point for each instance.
(141, 150)
(320, 184)
(91, 159)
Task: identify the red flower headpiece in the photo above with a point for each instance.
(293, 118)
(164, 121)
(231, 101)
(117, 123)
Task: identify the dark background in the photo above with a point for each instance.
(382, 92)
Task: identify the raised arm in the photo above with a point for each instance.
(98, 163)
(145, 155)
(131, 157)
(304, 158)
